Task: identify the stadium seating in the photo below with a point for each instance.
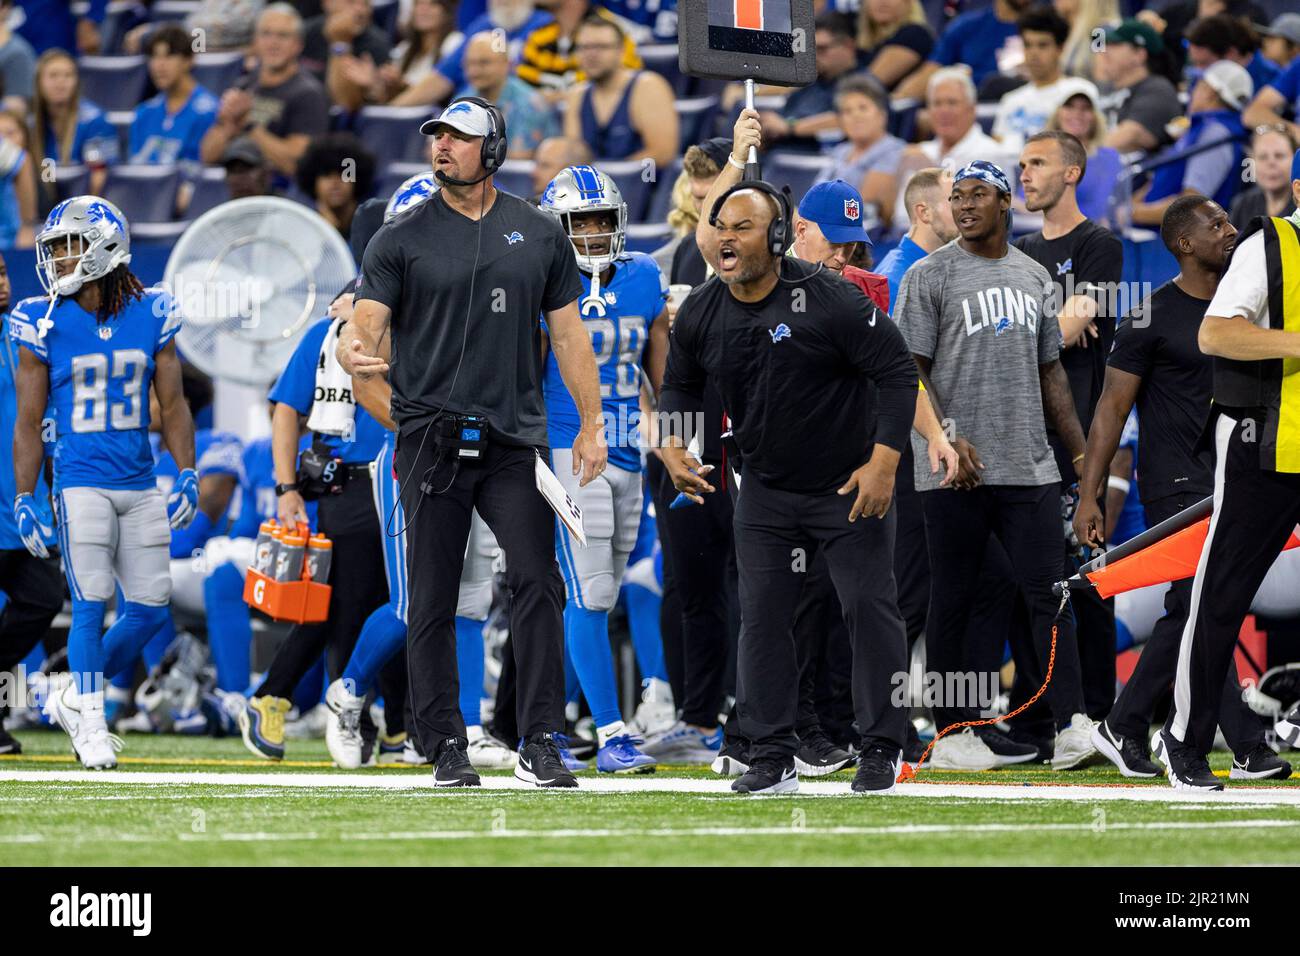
(71, 179)
(143, 193)
(209, 191)
(632, 178)
(662, 200)
(113, 82)
(662, 58)
(217, 72)
(796, 170)
(516, 177)
(647, 236)
(695, 116)
(392, 133)
(394, 174)
(172, 9)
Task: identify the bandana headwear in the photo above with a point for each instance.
(986, 172)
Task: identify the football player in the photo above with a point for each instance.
(624, 309)
(92, 349)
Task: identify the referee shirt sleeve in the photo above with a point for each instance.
(1243, 290)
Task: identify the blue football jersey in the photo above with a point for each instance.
(163, 138)
(631, 301)
(215, 453)
(256, 499)
(99, 385)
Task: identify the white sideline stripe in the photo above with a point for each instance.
(604, 834)
(971, 791)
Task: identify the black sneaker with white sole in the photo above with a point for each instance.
(817, 756)
(878, 768)
(1185, 768)
(1288, 727)
(8, 743)
(1129, 754)
(452, 767)
(540, 763)
(1006, 750)
(767, 777)
(1262, 763)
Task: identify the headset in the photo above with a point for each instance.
(779, 230)
(492, 152)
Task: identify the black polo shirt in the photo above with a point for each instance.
(422, 266)
(795, 372)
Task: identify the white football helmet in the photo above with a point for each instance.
(100, 241)
(411, 193)
(582, 189)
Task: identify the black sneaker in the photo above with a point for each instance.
(1185, 768)
(1129, 754)
(1006, 750)
(732, 760)
(1260, 764)
(1044, 745)
(817, 756)
(540, 763)
(8, 743)
(914, 746)
(877, 770)
(766, 777)
(452, 768)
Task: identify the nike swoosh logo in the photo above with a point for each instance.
(872, 323)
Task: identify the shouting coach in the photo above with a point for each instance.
(461, 282)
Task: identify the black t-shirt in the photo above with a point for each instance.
(371, 41)
(421, 265)
(795, 372)
(1088, 253)
(689, 268)
(910, 36)
(1173, 403)
(298, 105)
(1151, 102)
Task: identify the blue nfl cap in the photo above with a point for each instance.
(836, 207)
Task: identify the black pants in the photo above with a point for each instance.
(774, 531)
(503, 487)
(34, 587)
(911, 553)
(1134, 708)
(825, 658)
(1254, 514)
(1027, 523)
(359, 586)
(697, 543)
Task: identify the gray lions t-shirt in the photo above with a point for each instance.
(986, 327)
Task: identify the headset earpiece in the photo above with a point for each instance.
(492, 154)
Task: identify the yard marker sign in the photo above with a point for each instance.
(766, 40)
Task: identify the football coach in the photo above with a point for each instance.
(451, 294)
(794, 351)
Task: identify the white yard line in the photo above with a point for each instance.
(1275, 796)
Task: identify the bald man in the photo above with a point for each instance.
(529, 118)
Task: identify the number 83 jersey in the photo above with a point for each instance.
(618, 324)
(100, 375)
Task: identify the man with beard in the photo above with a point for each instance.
(1157, 365)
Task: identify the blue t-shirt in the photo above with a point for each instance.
(99, 385)
(1288, 84)
(974, 39)
(632, 301)
(94, 141)
(453, 65)
(297, 388)
(161, 138)
(9, 539)
(896, 262)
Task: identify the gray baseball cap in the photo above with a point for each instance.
(1285, 25)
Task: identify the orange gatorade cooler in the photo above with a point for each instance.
(287, 579)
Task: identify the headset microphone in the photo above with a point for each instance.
(451, 181)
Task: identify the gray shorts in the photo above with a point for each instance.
(110, 533)
(611, 517)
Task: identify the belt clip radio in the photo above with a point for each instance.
(465, 436)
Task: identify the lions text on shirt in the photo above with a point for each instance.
(986, 326)
(100, 375)
(619, 323)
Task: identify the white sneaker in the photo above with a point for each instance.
(488, 753)
(1158, 748)
(61, 706)
(656, 712)
(96, 747)
(963, 751)
(1074, 749)
(411, 754)
(343, 728)
(1288, 728)
(309, 726)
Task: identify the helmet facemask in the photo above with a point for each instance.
(587, 246)
(55, 249)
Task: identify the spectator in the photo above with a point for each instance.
(17, 183)
(66, 128)
(17, 64)
(1271, 148)
(1025, 110)
(1080, 117)
(1215, 108)
(1174, 18)
(958, 138)
(984, 40)
(53, 25)
(514, 18)
(1227, 38)
(894, 38)
(429, 35)
(1088, 20)
(247, 173)
(169, 127)
(551, 59)
(215, 25)
(869, 157)
(931, 225)
(281, 106)
(554, 154)
(1278, 101)
(619, 113)
(529, 118)
(1280, 40)
(700, 167)
(345, 28)
(811, 109)
(338, 173)
(1138, 104)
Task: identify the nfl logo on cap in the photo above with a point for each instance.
(851, 210)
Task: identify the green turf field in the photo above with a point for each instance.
(390, 816)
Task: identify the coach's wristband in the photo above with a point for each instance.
(732, 160)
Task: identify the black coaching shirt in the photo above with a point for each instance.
(795, 372)
(421, 265)
(1158, 344)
